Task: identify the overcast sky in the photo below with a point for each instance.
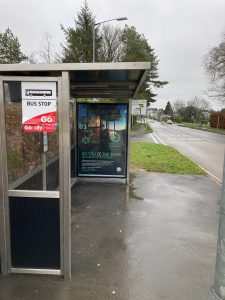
(180, 31)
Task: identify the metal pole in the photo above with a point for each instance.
(93, 38)
(44, 176)
(218, 288)
(93, 32)
(129, 116)
(218, 122)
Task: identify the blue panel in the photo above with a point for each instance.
(35, 233)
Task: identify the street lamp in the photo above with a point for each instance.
(93, 31)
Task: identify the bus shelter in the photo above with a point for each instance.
(48, 141)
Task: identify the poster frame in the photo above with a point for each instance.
(78, 174)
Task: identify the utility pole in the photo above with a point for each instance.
(218, 122)
(218, 289)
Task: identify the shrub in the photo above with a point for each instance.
(178, 119)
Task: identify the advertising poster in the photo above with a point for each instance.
(39, 106)
(102, 139)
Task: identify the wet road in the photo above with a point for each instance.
(153, 240)
(205, 148)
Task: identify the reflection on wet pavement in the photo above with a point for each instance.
(154, 239)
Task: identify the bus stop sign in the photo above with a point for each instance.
(39, 106)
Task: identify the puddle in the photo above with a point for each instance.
(131, 190)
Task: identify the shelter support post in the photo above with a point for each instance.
(128, 142)
(65, 193)
(3, 187)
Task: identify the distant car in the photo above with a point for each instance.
(169, 122)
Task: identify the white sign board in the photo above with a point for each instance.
(139, 107)
(39, 106)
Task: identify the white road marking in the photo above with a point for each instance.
(187, 138)
(195, 139)
(159, 139)
(208, 140)
(153, 138)
(211, 175)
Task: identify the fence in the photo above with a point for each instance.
(217, 120)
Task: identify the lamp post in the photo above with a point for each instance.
(93, 31)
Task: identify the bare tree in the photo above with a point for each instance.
(214, 63)
(112, 47)
(32, 57)
(179, 108)
(217, 90)
(200, 103)
(179, 105)
(46, 51)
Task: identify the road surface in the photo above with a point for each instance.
(205, 148)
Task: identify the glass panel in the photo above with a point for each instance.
(52, 161)
(33, 158)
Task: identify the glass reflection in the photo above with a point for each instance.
(25, 150)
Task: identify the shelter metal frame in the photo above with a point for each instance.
(100, 80)
(62, 194)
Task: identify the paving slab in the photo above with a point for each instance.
(155, 239)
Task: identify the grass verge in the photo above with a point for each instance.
(148, 129)
(161, 158)
(136, 126)
(142, 126)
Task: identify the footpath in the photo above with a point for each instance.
(152, 240)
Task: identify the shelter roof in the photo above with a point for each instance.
(89, 80)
